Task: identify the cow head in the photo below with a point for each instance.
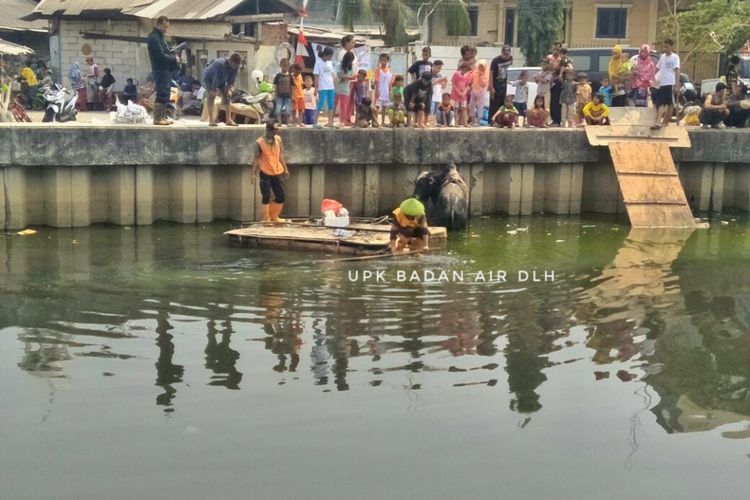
(425, 186)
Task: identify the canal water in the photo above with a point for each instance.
(160, 362)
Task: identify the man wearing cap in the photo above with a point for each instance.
(218, 78)
(163, 64)
(409, 228)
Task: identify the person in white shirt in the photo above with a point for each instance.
(668, 78)
(438, 82)
(324, 83)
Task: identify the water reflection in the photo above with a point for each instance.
(669, 310)
(167, 373)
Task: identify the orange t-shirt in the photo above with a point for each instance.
(270, 156)
(297, 87)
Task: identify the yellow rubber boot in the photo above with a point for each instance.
(266, 213)
(276, 211)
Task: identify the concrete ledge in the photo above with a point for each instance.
(139, 145)
(70, 176)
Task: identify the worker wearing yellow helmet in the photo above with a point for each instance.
(409, 230)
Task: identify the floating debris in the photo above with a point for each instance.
(27, 232)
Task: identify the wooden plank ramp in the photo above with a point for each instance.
(651, 188)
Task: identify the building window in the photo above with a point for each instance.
(474, 20)
(245, 29)
(510, 27)
(611, 23)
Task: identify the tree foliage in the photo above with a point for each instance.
(399, 15)
(710, 26)
(540, 24)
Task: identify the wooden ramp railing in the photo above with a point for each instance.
(651, 188)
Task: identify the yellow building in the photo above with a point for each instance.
(588, 23)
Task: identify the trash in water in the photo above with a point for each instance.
(27, 232)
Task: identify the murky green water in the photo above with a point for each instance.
(159, 362)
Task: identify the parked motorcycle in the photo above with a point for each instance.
(172, 109)
(60, 104)
(255, 108)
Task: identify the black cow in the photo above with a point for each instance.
(445, 196)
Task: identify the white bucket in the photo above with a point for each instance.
(334, 221)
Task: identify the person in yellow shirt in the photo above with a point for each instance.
(596, 112)
(269, 165)
(409, 229)
(29, 78)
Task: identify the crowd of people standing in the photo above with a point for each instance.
(476, 93)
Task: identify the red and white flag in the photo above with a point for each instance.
(301, 49)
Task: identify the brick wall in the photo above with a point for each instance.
(121, 57)
(274, 33)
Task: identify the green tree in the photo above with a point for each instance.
(398, 15)
(540, 24)
(710, 26)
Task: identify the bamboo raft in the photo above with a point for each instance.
(359, 238)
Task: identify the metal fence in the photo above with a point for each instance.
(701, 66)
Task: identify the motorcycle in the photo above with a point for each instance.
(256, 107)
(172, 108)
(60, 104)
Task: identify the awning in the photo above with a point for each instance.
(13, 49)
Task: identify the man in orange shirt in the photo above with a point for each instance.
(269, 165)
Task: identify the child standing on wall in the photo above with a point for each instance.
(461, 82)
(606, 91)
(344, 77)
(568, 99)
(360, 88)
(543, 80)
(271, 170)
(283, 83)
(383, 84)
(583, 95)
(422, 66)
(438, 82)
(311, 101)
(298, 97)
(480, 79)
(324, 84)
(521, 98)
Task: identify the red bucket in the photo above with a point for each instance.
(327, 205)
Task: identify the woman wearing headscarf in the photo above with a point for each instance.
(617, 77)
(77, 84)
(480, 81)
(644, 75)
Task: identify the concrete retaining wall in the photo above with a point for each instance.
(75, 176)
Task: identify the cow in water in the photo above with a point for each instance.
(445, 196)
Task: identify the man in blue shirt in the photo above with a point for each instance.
(163, 64)
(218, 79)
